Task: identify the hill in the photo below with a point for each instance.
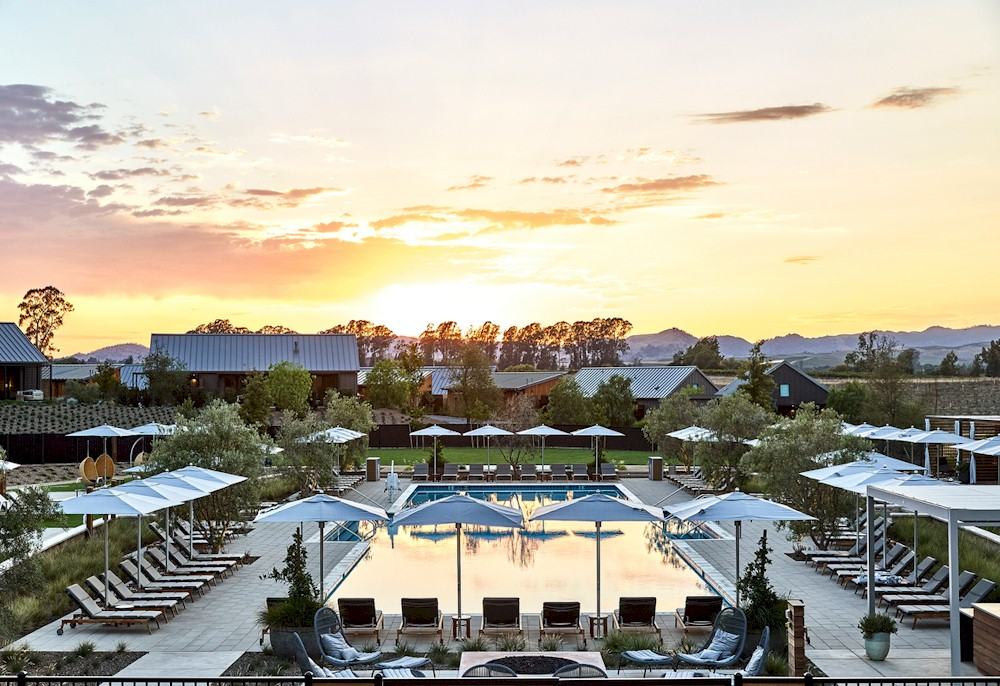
(116, 353)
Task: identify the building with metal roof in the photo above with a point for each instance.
(649, 384)
(220, 361)
(21, 363)
(792, 387)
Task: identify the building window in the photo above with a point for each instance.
(783, 390)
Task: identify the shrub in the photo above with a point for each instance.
(550, 644)
(510, 643)
(877, 623)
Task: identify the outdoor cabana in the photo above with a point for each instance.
(958, 506)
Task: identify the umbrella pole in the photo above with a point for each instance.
(166, 543)
(598, 627)
(138, 551)
(322, 582)
(434, 476)
(458, 557)
(191, 525)
(914, 575)
(106, 565)
(739, 527)
(487, 461)
(543, 458)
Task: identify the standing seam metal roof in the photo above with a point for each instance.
(647, 382)
(241, 353)
(15, 348)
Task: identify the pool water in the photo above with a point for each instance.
(547, 561)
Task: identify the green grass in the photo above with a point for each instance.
(409, 456)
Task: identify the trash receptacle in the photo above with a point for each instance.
(372, 469)
(655, 468)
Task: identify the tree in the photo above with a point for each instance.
(255, 400)
(310, 462)
(567, 404)
(21, 526)
(976, 366)
(763, 606)
(219, 326)
(485, 337)
(106, 379)
(518, 413)
(412, 362)
(374, 340)
(794, 445)
(613, 403)
(735, 419)
(759, 386)
(351, 413)
(887, 391)
(216, 439)
(849, 400)
(704, 354)
(388, 384)
(43, 309)
(167, 379)
(274, 329)
(676, 411)
(473, 394)
(989, 359)
(949, 365)
(290, 385)
(442, 343)
(909, 361)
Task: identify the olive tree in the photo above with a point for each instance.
(676, 411)
(351, 413)
(734, 419)
(518, 413)
(217, 438)
(567, 403)
(613, 403)
(308, 460)
(290, 385)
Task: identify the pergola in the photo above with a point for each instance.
(957, 506)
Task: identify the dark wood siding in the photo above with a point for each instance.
(801, 389)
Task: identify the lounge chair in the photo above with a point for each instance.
(559, 472)
(309, 666)
(891, 557)
(450, 472)
(234, 561)
(758, 658)
(724, 646)
(208, 573)
(898, 585)
(561, 618)
(92, 613)
(501, 616)
(529, 472)
(101, 591)
(925, 610)
(359, 616)
(421, 615)
(489, 670)
(698, 613)
(179, 556)
(932, 586)
(122, 590)
(476, 472)
(420, 471)
(580, 670)
(894, 573)
(334, 646)
(151, 580)
(579, 472)
(608, 472)
(636, 614)
(504, 472)
(965, 581)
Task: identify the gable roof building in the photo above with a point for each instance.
(649, 384)
(21, 363)
(792, 387)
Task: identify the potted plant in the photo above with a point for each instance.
(283, 616)
(761, 603)
(876, 628)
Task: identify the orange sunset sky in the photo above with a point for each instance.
(727, 167)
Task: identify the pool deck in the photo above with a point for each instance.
(216, 629)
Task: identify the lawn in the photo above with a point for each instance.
(409, 456)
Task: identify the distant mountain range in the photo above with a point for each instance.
(810, 353)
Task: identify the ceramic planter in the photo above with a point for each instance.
(877, 647)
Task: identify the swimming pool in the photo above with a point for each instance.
(545, 561)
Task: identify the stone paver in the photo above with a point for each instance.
(223, 622)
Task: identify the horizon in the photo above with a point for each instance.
(741, 169)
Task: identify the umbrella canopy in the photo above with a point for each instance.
(186, 482)
(224, 478)
(542, 431)
(979, 446)
(488, 431)
(868, 462)
(336, 434)
(323, 508)
(881, 433)
(171, 494)
(103, 431)
(108, 502)
(155, 429)
(693, 433)
(858, 481)
(7, 465)
(434, 430)
(860, 428)
(597, 508)
(458, 510)
(735, 507)
(936, 437)
(596, 432)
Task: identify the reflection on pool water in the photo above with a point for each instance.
(545, 561)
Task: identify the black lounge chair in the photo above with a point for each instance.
(476, 472)
(561, 618)
(965, 581)
(122, 590)
(923, 569)
(698, 613)
(420, 471)
(450, 472)
(501, 616)
(942, 610)
(558, 472)
(421, 615)
(608, 472)
(151, 580)
(891, 557)
(333, 644)
(180, 557)
(233, 561)
(724, 646)
(114, 602)
(359, 616)
(636, 614)
(504, 472)
(92, 613)
(206, 573)
(529, 472)
(896, 572)
(579, 472)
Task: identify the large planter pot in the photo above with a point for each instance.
(877, 647)
(283, 644)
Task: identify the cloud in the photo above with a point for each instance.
(291, 198)
(913, 98)
(668, 185)
(711, 215)
(119, 174)
(187, 201)
(554, 180)
(572, 161)
(766, 114)
(475, 181)
(311, 139)
(30, 115)
(153, 143)
(101, 191)
(209, 114)
(648, 155)
(9, 169)
(801, 259)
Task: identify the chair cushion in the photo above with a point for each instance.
(724, 643)
(405, 662)
(336, 646)
(708, 654)
(755, 667)
(646, 656)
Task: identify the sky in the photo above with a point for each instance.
(752, 169)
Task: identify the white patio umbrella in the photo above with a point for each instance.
(170, 494)
(936, 437)
(104, 431)
(323, 508)
(597, 508)
(860, 428)
(153, 429)
(6, 466)
(335, 434)
(542, 431)
(597, 432)
(435, 431)
(693, 434)
(185, 482)
(912, 480)
(487, 431)
(459, 509)
(107, 502)
(735, 507)
(857, 482)
(868, 461)
(211, 475)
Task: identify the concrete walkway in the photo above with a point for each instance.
(216, 629)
